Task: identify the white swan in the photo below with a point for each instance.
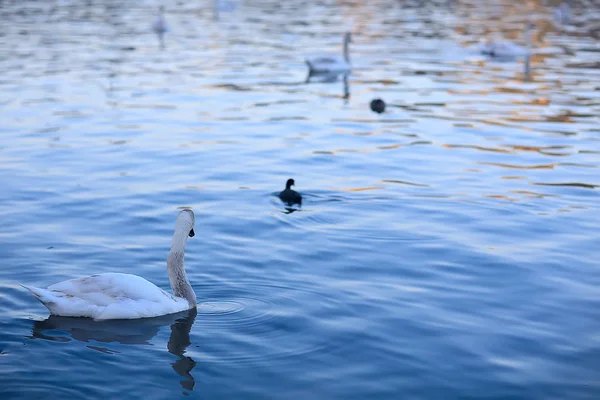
(508, 50)
(562, 13)
(328, 64)
(220, 6)
(125, 296)
(159, 26)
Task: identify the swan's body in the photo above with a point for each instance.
(125, 296)
(108, 296)
(501, 49)
(328, 64)
(159, 26)
(507, 50)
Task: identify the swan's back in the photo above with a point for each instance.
(108, 296)
(502, 49)
(322, 64)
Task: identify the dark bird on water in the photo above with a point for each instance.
(290, 196)
(378, 106)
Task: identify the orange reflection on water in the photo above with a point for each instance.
(361, 189)
(500, 196)
(533, 195)
(503, 165)
(403, 182)
(470, 146)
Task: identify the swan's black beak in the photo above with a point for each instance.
(192, 233)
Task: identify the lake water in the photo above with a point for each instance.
(446, 249)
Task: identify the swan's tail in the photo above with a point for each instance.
(33, 290)
(43, 295)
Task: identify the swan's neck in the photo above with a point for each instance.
(346, 88)
(527, 71)
(528, 39)
(216, 10)
(346, 55)
(177, 277)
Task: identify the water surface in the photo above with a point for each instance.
(445, 249)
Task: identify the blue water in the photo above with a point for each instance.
(447, 249)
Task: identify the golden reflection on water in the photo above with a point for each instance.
(403, 182)
(483, 99)
(533, 195)
(501, 196)
(360, 189)
(469, 146)
(511, 166)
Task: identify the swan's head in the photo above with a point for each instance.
(348, 37)
(185, 222)
(289, 183)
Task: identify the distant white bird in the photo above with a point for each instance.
(562, 13)
(508, 50)
(328, 64)
(159, 26)
(125, 296)
(221, 6)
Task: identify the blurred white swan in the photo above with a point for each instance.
(562, 13)
(222, 6)
(125, 296)
(508, 50)
(159, 26)
(327, 64)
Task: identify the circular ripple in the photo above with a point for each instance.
(334, 215)
(251, 322)
(207, 308)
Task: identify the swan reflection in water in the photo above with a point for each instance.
(139, 331)
(331, 77)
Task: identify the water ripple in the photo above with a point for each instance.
(446, 248)
(265, 312)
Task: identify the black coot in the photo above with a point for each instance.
(290, 196)
(378, 106)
